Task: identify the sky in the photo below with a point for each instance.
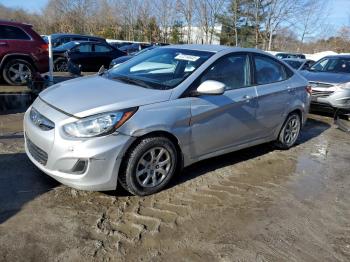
(339, 13)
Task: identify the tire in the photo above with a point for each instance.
(290, 132)
(60, 65)
(16, 71)
(140, 169)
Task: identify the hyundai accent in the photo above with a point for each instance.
(140, 123)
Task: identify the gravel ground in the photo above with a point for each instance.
(258, 204)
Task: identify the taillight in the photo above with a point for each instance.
(309, 89)
(45, 47)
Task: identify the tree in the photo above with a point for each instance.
(165, 12)
(309, 19)
(186, 8)
(208, 12)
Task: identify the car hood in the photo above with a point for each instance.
(324, 77)
(91, 95)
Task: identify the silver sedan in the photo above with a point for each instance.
(138, 124)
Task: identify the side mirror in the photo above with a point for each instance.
(211, 87)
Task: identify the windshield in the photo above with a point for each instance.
(160, 68)
(333, 65)
(67, 46)
(294, 64)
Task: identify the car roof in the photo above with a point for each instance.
(296, 59)
(64, 34)
(215, 48)
(288, 53)
(8, 22)
(338, 56)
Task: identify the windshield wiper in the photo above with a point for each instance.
(134, 81)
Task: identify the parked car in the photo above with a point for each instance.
(139, 124)
(120, 44)
(290, 55)
(60, 39)
(330, 80)
(22, 52)
(134, 48)
(60, 58)
(122, 59)
(89, 55)
(299, 64)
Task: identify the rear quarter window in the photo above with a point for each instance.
(13, 33)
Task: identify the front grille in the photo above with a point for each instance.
(37, 153)
(317, 93)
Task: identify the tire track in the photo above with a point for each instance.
(148, 216)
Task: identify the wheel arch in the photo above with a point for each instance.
(157, 133)
(297, 110)
(25, 57)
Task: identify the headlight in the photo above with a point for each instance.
(345, 85)
(98, 125)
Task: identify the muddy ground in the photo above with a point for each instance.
(258, 204)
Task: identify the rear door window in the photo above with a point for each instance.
(268, 70)
(84, 48)
(12, 33)
(102, 49)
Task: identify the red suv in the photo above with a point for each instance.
(22, 52)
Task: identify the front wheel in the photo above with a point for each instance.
(290, 132)
(149, 166)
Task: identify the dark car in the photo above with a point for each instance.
(330, 81)
(90, 56)
(59, 57)
(299, 64)
(60, 39)
(134, 48)
(289, 55)
(125, 58)
(120, 44)
(22, 52)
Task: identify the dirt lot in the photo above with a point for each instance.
(258, 204)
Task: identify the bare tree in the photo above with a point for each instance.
(309, 19)
(276, 13)
(165, 12)
(208, 12)
(186, 8)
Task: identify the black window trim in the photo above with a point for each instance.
(288, 75)
(14, 39)
(190, 91)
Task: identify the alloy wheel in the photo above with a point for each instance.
(19, 73)
(292, 129)
(153, 167)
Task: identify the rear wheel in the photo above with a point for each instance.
(290, 132)
(149, 166)
(17, 71)
(60, 65)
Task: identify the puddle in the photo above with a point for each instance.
(15, 102)
(309, 185)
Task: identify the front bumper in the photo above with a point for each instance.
(101, 155)
(337, 99)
